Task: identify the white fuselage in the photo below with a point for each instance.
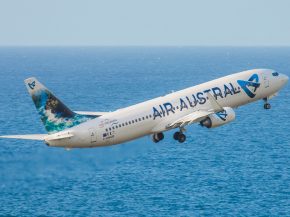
(155, 115)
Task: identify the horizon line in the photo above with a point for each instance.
(177, 46)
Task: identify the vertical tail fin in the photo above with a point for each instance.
(55, 115)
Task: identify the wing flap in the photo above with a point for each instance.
(191, 118)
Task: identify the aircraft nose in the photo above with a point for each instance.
(284, 78)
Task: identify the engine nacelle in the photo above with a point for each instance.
(219, 118)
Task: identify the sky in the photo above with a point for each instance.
(144, 23)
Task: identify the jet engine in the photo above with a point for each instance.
(219, 118)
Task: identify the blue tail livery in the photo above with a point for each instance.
(55, 115)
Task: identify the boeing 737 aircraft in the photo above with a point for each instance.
(211, 104)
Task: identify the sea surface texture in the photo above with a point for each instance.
(240, 169)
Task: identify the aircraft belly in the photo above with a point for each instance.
(133, 133)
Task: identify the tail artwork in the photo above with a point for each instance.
(54, 114)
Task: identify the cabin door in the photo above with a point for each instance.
(93, 135)
(265, 80)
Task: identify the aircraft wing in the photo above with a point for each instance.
(193, 117)
(97, 114)
(199, 115)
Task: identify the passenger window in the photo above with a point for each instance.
(126, 123)
(146, 117)
(119, 125)
(129, 122)
(143, 118)
(139, 119)
(110, 128)
(113, 128)
(150, 116)
(132, 121)
(123, 124)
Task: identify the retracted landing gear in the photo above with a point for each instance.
(179, 136)
(266, 104)
(157, 137)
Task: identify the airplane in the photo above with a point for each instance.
(210, 104)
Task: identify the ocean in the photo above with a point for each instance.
(239, 169)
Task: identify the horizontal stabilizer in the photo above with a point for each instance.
(58, 136)
(97, 114)
(29, 137)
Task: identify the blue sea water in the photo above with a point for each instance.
(240, 169)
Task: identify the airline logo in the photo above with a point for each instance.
(31, 85)
(252, 82)
(222, 115)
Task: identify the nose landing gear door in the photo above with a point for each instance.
(265, 80)
(93, 135)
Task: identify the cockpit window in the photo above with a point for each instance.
(275, 74)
